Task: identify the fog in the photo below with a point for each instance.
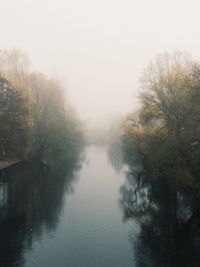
(90, 176)
(99, 48)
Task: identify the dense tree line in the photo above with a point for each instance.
(161, 144)
(41, 131)
(36, 119)
(166, 129)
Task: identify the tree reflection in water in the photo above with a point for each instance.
(32, 196)
(115, 155)
(168, 219)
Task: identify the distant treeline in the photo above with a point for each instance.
(36, 120)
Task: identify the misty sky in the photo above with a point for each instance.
(99, 48)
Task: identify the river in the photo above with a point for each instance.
(76, 224)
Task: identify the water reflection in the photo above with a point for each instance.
(115, 155)
(32, 198)
(168, 220)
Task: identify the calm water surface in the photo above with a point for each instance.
(76, 223)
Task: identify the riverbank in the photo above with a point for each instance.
(7, 163)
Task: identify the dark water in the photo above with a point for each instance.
(66, 217)
(95, 211)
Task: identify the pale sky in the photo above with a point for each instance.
(99, 47)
